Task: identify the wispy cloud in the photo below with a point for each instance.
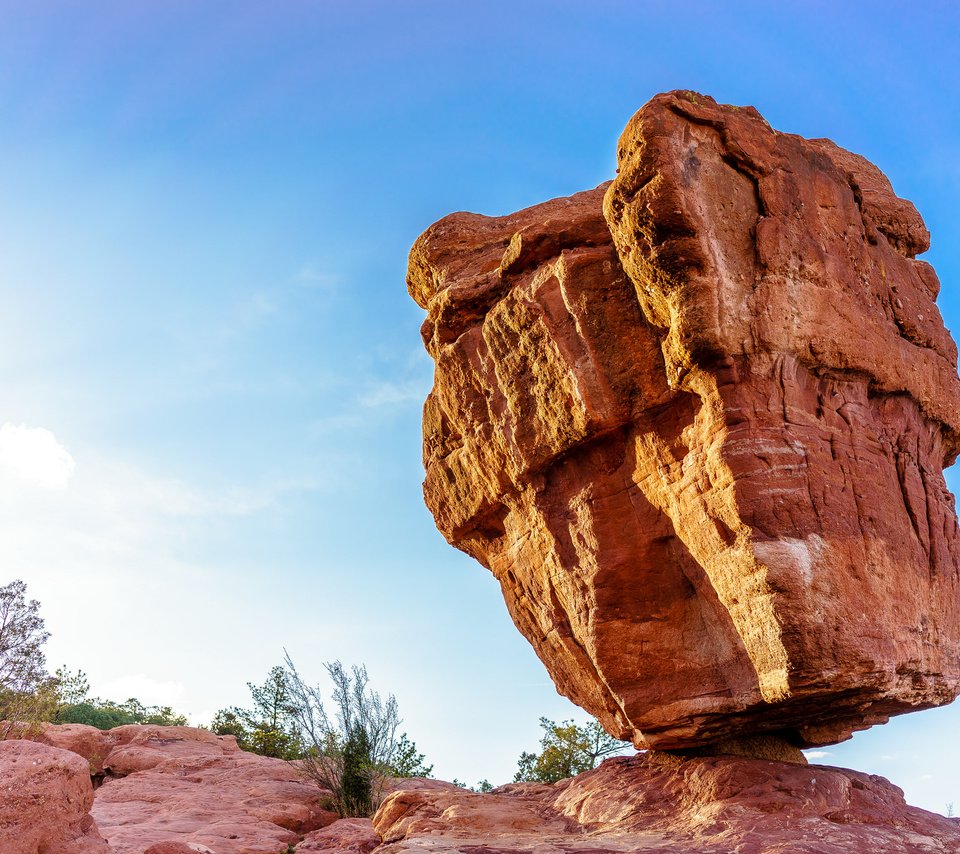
(135, 569)
(395, 393)
(32, 455)
(817, 754)
(149, 691)
(310, 276)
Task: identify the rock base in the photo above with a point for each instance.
(658, 802)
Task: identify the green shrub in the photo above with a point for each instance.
(353, 753)
(565, 751)
(269, 728)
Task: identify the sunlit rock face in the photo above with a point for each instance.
(695, 422)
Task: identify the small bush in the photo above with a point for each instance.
(355, 751)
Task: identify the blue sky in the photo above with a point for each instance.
(205, 210)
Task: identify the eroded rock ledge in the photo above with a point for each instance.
(695, 422)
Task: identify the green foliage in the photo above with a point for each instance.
(353, 752)
(566, 750)
(27, 691)
(407, 761)
(483, 786)
(269, 728)
(72, 687)
(356, 782)
(30, 695)
(228, 722)
(107, 714)
(73, 706)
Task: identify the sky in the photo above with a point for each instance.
(212, 374)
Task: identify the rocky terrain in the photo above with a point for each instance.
(695, 422)
(178, 790)
(145, 785)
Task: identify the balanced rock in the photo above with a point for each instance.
(695, 422)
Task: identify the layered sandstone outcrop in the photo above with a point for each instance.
(658, 803)
(695, 422)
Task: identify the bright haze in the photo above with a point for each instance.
(212, 374)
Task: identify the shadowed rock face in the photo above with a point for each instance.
(695, 422)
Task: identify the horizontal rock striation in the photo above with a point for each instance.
(695, 422)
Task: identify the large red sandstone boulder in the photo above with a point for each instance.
(89, 742)
(45, 800)
(659, 803)
(695, 423)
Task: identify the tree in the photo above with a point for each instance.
(482, 787)
(407, 761)
(73, 706)
(72, 688)
(357, 773)
(566, 750)
(354, 751)
(269, 728)
(107, 714)
(27, 691)
(230, 722)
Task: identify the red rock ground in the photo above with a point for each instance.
(177, 790)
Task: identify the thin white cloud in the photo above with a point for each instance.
(249, 310)
(33, 455)
(817, 754)
(394, 394)
(310, 277)
(171, 497)
(149, 691)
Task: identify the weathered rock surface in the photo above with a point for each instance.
(695, 422)
(89, 742)
(346, 836)
(185, 785)
(178, 848)
(206, 797)
(658, 803)
(45, 800)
